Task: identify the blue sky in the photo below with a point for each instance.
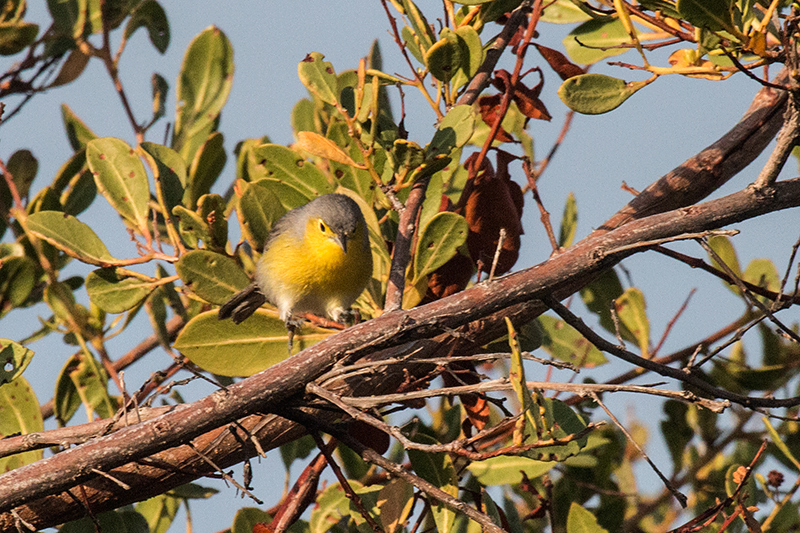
(650, 134)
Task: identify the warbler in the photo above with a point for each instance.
(317, 259)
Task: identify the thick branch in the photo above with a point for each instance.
(704, 173)
(133, 449)
(267, 390)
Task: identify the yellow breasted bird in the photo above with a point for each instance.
(317, 259)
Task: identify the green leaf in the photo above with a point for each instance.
(14, 359)
(114, 292)
(80, 195)
(71, 236)
(676, 430)
(258, 210)
(412, 43)
(149, 14)
(713, 15)
(206, 167)
(202, 89)
(211, 209)
(563, 12)
(437, 469)
(287, 166)
(632, 314)
(422, 29)
(332, 506)
(247, 517)
(160, 89)
(594, 94)
(16, 36)
(580, 520)
(395, 501)
(319, 77)
(595, 40)
(569, 222)
(193, 491)
(443, 58)
(303, 114)
(778, 442)
(159, 512)
(353, 178)
(762, 272)
(69, 16)
(369, 500)
(121, 178)
(454, 131)
(191, 227)
(723, 247)
(17, 280)
(169, 171)
(78, 133)
(599, 296)
(471, 50)
(211, 276)
(117, 521)
(565, 343)
(221, 347)
(83, 380)
(440, 240)
(19, 414)
(505, 470)
(296, 449)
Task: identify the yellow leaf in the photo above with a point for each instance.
(320, 146)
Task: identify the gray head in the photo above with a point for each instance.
(341, 213)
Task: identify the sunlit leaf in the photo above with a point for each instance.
(202, 89)
(14, 359)
(19, 414)
(580, 520)
(594, 94)
(211, 276)
(439, 242)
(121, 178)
(114, 292)
(504, 470)
(224, 348)
(319, 77)
(565, 343)
(71, 236)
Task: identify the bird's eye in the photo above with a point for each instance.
(322, 226)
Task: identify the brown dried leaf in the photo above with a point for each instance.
(491, 201)
(559, 62)
(490, 106)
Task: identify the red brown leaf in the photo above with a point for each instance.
(559, 62)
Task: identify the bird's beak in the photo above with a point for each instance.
(341, 240)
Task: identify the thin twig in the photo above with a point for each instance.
(671, 323)
(106, 475)
(500, 240)
(371, 456)
(675, 492)
(747, 294)
(544, 215)
(225, 475)
(354, 498)
(502, 384)
(696, 262)
(680, 375)
(786, 141)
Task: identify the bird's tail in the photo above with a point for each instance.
(242, 304)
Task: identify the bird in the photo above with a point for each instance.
(316, 259)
